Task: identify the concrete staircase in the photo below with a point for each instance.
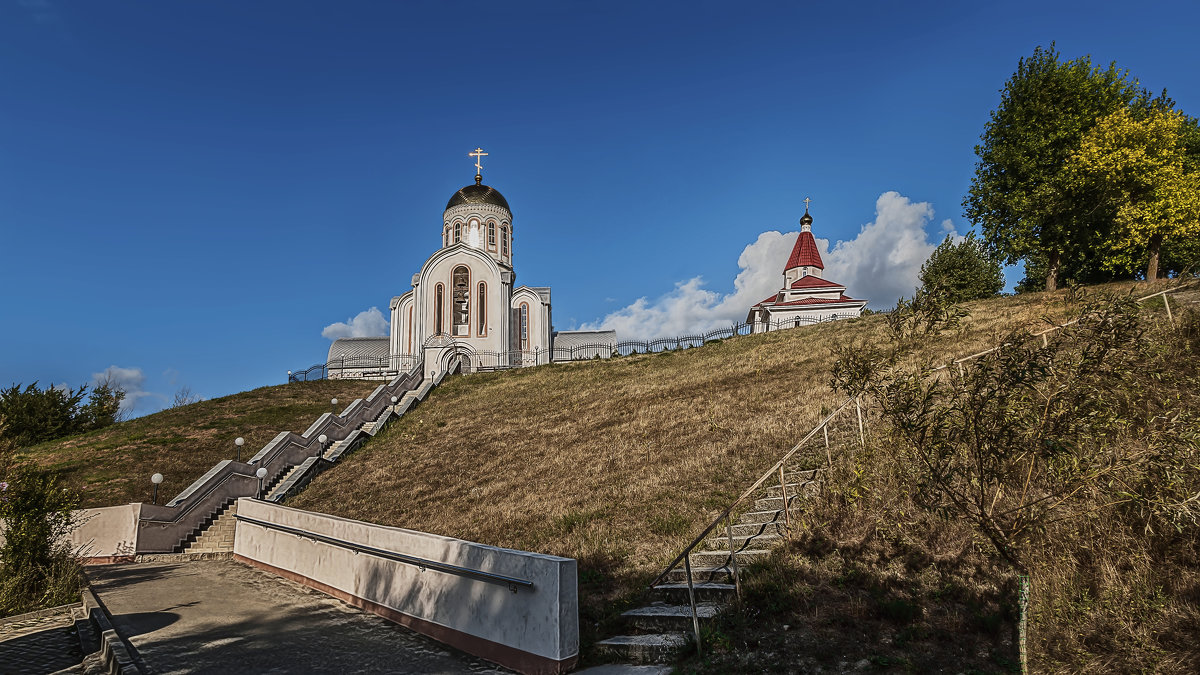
(215, 535)
(657, 631)
(278, 485)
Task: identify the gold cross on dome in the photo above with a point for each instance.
(479, 154)
(806, 201)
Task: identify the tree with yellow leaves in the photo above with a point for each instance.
(1134, 164)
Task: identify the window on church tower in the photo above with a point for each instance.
(504, 241)
(438, 307)
(482, 311)
(457, 232)
(491, 236)
(460, 307)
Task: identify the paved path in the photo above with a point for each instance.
(220, 616)
(40, 645)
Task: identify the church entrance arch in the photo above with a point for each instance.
(441, 351)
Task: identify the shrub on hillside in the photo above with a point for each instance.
(35, 415)
(963, 270)
(37, 566)
(1077, 459)
(929, 312)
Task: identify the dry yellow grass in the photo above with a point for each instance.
(113, 465)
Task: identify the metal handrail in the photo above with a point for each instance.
(513, 583)
(770, 472)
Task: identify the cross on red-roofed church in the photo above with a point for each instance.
(806, 297)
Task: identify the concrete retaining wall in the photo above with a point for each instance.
(106, 535)
(532, 630)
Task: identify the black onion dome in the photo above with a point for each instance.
(478, 194)
(806, 219)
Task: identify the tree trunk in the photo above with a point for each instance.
(1052, 270)
(1154, 247)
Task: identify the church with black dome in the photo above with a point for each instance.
(464, 301)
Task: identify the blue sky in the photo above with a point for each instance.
(193, 191)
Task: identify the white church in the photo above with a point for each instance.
(464, 302)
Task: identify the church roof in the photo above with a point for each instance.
(478, 194)
(811, 281)
(772, 301)
(817, 301)
(804, 253)
(359, 348)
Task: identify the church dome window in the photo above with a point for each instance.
(504, 241)
(461, 301)
(457, 232)
(491, 236)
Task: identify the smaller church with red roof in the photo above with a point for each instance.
(806, 297)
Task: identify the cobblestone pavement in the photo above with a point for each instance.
(220, 616)
(40, 645)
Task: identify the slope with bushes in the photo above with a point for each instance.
(620, 463)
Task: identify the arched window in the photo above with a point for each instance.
(491, 236)
(460, 308)
(504, 241)
(457, 232)
(524, 326)
(438, 308)
(481, 303)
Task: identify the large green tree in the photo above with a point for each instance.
(1020, 195)
(1137, 166)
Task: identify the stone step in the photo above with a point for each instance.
(677, 592)
(332, 447)
(661, 616)
(368, 427)
(747, 529)
(761, 517)
(775, 503)
(771, 488)
(721, 542)
(643, 649)
(283, 479)
(721, 574)
(720, 558)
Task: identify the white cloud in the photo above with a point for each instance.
(878, 265)
(883, 261)
(130, 380)
(369, 323)
(690, 308)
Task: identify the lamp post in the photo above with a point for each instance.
(156, 479)
(322, 439)
(394, 401)
(289, 376)
(261, 473)
(333, 405)
(239, 442)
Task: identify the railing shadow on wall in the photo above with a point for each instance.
(162, 528)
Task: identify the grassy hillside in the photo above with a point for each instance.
(620, 463)
(113, 466)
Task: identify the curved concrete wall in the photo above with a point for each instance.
(532, 630)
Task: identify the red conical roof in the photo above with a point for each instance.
(805, 254)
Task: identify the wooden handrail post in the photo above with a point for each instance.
(787, 518)
(737, 578)
(862, 440)
(687, 566)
